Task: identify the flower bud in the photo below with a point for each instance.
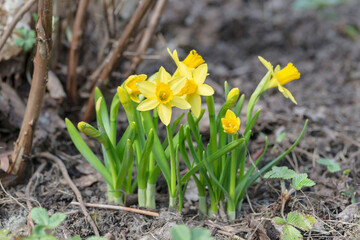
(90, 131)
(230, 123)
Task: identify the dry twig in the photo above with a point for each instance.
(146, 39)
(71, 81)
(16, 19)
(37, 90)
(116, 53)
(72, 186)
(113, 207)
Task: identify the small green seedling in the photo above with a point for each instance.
(5, 234)
(27, 38)
(44, 224)
(331, 165)
(183, 232)
(43, 230)
(293, 220)
(281, 137)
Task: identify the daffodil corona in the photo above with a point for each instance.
(230, 123)
(163, 95)
(281, 77)
(131, 88)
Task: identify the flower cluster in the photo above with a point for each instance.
(218, 166)
(183, 89)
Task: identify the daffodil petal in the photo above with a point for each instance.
(148, 104)
(277, 69)
(181, 103)
(174, 56)
(266, 64)
(200, 73)
(281, 88)
(163, 76)
(195, 102)
(147, 88)
(230, 114)
(176, 84)
(185, 71)
(134, 98)
(288, 94)
(164, 111)
(205, 90)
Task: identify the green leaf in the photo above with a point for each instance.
(19, 42)
(291, 233)
(279, 220)
(280, 137)
(39, 230)
(74, 238)
(200, 234)
(56, 220)
(102, 115)
(215, 156)
(22, 31)
(86, 152)
(35, 16)
(29, 43)
(96, 238)
(301, 221)
(40, 216)
(47, 237)
(301, 180)
(180, 232)
(331, 165)
(280, 172)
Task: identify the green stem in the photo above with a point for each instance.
(172, 168)
(172, 203)
(213, 211)
(233, 175)
(142, 197)
(115, 196)
(213, 135)
(150, 196)
(114, 109)
(256, 95)
(202, 205)
(179, 192)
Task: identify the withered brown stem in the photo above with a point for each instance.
(115, 54)
(77, 32)
(146, 39)
(37, 90)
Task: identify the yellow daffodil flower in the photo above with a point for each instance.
(233, 93)
(131, 88)
(193, 60)
(163, 95)
(195, 72)
(281, 77)
(230, 123)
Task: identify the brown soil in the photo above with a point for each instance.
(229, 35)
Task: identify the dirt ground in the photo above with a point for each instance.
(230, 35)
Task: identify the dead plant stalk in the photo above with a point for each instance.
(116, 53)
(149, 32)
(77, 32)
(37, 90)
